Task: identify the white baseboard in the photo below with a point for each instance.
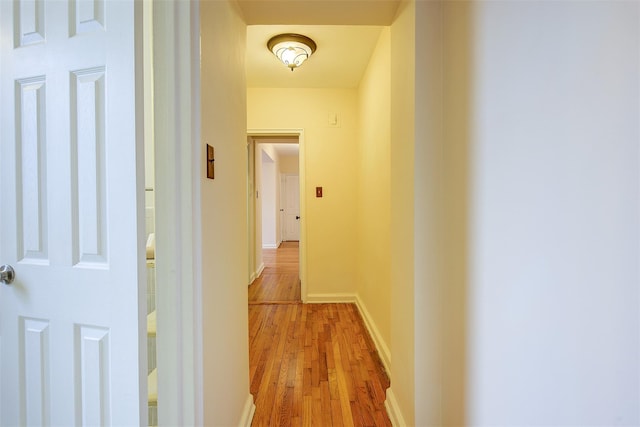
(270, 246)
(331, 298)
(260, 269)
(248, 412)
(393, 410)
(257, 274)
(381, 345)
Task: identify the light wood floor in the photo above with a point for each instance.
(310, 364)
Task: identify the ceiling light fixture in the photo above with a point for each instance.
(291, 49)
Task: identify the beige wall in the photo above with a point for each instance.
(330, 153)
(225, 379)
(401, 394)
(373, 208)
(428, 215)
(437, 369)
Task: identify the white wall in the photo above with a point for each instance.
(554, 213)
(268, 195)
(149, 140)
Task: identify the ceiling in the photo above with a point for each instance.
(319, 12)
(342, 56)
(346, 32)
(284, 145)
(286, 149)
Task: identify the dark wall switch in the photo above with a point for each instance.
(318, 191)
(210, 164)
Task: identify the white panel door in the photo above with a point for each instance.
(292, 208)
(70, 214)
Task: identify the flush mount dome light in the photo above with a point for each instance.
(291, 49)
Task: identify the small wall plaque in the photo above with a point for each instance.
(210, 162)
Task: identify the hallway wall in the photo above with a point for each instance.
(330, 152)
(373, 207)
(538, 167)
(225, 348)
(401, 395)
(553, 207)
(515, 213)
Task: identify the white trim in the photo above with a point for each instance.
(393, 410)
(176, 67)
(381, 345)
(270, 246)
(195, 166)
(260, 270)
(247, 413)
(256, 274)
(336, 298)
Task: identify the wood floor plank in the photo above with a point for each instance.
(325, 400)
(312, 365)
(343, 388)
(336, 413)
(307, 415)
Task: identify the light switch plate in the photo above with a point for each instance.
(211, 173)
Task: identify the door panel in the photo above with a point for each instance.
(292, 207)
(35, 353)
(88, 166)
(71, 214)
(31, 158)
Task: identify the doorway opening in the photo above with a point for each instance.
(275, 204)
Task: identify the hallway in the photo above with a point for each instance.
(310, 364)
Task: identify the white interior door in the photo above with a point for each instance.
(71, 214)
(292, 208)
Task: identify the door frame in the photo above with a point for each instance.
(176, 92)
(251, 133)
